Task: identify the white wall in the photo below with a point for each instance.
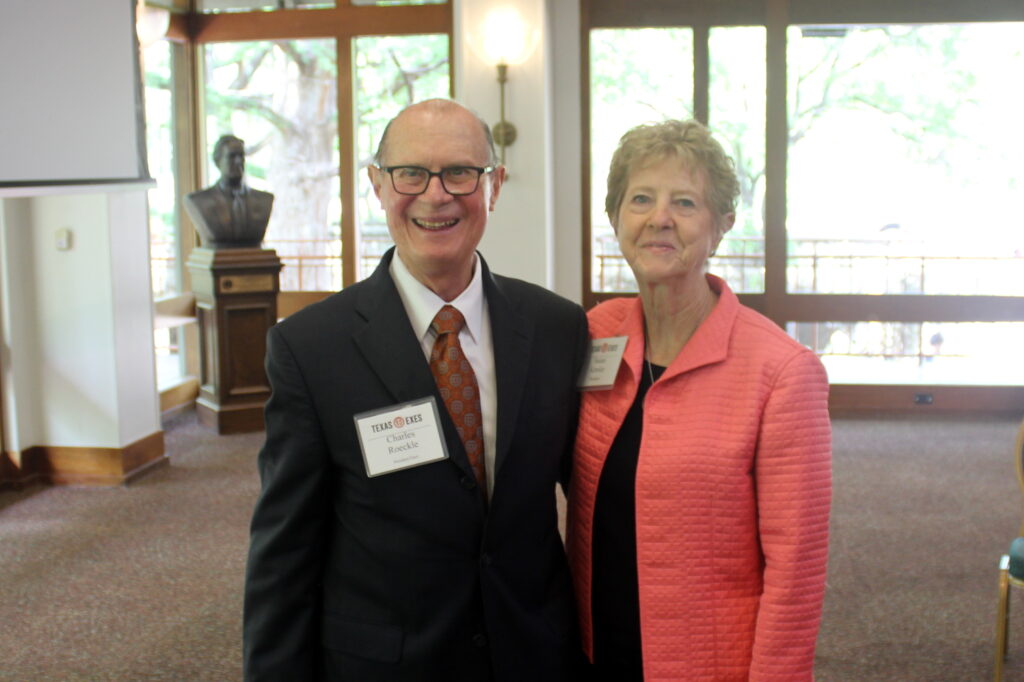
(534, 233)
(567, 147)
(131, 299)
(19, 361)
(77, 323)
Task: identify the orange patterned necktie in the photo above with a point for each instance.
(457, 385)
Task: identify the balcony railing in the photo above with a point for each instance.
(822, 266)
(309, 264)
(844, 266)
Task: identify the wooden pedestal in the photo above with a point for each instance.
(236, 303)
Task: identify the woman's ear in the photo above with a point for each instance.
(725, 224)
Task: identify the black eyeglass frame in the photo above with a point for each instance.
(480, 172)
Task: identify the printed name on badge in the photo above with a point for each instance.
(400, 436)
(602, 363)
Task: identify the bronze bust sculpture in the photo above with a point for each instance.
(230, 214)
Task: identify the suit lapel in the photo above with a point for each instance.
(394, 353)
(513, 337)
(387, 341)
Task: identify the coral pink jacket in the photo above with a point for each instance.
(733, 490)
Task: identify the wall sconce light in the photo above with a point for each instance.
(507, 40)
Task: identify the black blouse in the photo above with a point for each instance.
(615, 599)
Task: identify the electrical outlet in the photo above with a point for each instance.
(64, 239)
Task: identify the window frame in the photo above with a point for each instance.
(776, 16)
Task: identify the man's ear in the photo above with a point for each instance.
(376, 176)
(497, 180)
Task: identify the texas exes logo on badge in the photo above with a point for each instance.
(396, 423)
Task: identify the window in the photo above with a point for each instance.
(634, 78)
(310, 97)
(916, 353)
(736, 101)
(164, 243)
(915, 201)
(280, 97)
(878, 165)
(391, 72)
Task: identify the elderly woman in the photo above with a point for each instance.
(702, 479)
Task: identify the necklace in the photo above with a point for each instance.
(647, 361)
(647, 354)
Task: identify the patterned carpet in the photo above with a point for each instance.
(144, 582)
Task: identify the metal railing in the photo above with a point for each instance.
(309, 264)
(843, 266)
(879, 266)
(814, 266)
(820, 266)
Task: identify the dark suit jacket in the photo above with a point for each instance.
(210, 211)
(411, 575)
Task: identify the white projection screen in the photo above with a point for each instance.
(70, 93)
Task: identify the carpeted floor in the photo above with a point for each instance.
(922, 511)
(144, 582)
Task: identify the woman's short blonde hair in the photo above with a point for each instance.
(688, 141)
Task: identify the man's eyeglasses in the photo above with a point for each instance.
(456, 180)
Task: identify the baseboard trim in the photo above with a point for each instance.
(85, 466)
(995, 400)
(14, 475)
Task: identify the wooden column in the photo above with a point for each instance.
(236, 301)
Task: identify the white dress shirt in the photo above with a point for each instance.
(422, 304)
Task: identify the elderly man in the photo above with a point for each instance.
(419, 422)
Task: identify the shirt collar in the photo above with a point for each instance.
(422, 304)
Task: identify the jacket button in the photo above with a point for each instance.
(480, 640)
(468, 482)
(486, 559)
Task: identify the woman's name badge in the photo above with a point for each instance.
(400, 436)
(602, 363)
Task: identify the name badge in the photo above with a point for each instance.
(400, 437)
(602, 363)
